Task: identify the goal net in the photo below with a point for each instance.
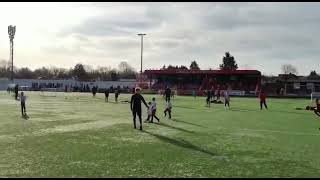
(48, 92)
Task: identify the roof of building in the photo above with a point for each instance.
(199, 72)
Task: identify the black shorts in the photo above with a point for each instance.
(136, 111)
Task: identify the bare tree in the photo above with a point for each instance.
(125, 67)
(88, 68)
(4, 68)
(287, 70)
(126, 70)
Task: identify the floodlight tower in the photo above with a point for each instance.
(141, 35)
(11, 32)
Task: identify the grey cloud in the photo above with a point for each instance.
(259, 35)
(261, 14)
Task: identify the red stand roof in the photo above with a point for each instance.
(201, 72)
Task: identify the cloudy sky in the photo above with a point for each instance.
(260, 36)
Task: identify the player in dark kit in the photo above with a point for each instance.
(23, 104)
(167, 93)
(94, 91)
(263, 97)
(16, 90)
(116, 95)
(208, 93)
(106, 93)
(218, 93)
(135, 106)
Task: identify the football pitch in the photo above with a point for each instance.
(77, 135)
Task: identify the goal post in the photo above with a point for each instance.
(314, 95)
(48, 92)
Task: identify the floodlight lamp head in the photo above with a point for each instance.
(11, 31)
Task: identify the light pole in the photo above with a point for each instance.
(141, 49)
(11, 32)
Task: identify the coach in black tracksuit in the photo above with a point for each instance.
(167, 93)
(135, 106)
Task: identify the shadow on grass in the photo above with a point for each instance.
(202, 108)
(25, 117)
(185, 107)
(181, 143)
(172, 127)
(119, 102)
(176, 120)
(272, 110)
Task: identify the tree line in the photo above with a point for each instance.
(84, 72)
(124, 71)
(80, 72)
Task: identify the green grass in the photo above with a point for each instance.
(76, 135)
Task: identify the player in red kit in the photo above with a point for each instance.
(263, 97)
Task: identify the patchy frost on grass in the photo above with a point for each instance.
(9, 138)
(135, 139)
(282, 132)
(79, 163)
(250, 134)
(5, 165)
(77, 127)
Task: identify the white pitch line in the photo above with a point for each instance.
(284, 132)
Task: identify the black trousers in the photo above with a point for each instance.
(154, 115)
(16, 95)
(136, 112)
(167, 98)
(208, 100)
(23, 108)
(265, 105)
(226, 103)
(169, 112)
